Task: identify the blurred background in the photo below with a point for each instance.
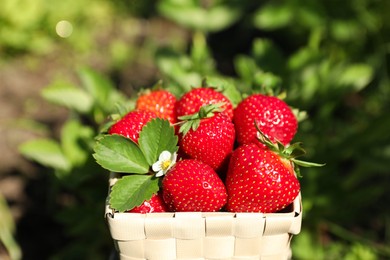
(64, 66)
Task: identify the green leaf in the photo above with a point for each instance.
(201, 54)
(245, 67)
(132, 190)
(269, 83)
(7, 230)
(357, 75)
(157, 136)
(67, 95)
(227, 87)
(267, 56)
(97, 85)
(120, 154)
(74, 141)
(273, 16)
(46, 152)
(191, 14)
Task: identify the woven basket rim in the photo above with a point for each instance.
(203, 235)
(295, 209)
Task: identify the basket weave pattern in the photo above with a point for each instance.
(200, 235)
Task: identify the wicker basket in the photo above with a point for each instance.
(200, 235)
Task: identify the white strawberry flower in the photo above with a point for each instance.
(165, 161)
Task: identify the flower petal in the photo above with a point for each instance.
(173, 161)
(160, 173)
(164, 156)
(157, 166)
(174, 157)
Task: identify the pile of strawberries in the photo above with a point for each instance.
(228, 158)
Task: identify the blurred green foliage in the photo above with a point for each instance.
(7, 230)
(330, 57)
(29, 25)
(75, 172)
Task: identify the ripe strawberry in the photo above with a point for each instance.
(154, 204)
(161, 102)
(274, 117)
(208, 136)
(191, 185)
(261, 175)
(131, 124)
(259, 180)
(191, 101)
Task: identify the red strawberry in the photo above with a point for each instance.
(161, 102)
(274, 117)
(191, 185)
(191, 101)
(208, 136)
(154, 204)
(259, 180)
(131, 124)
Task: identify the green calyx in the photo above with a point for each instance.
(193, 121)
(290, 152)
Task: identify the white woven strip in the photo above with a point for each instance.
(160, 249)
(275, 245)
(219, 247)
(127, 226)
(220, 225)
(245, 258)
(159, 228)
(297, 222)
(249, 225)
(129, 257)
(189, 249)
(189, 226)
(278, 224)
(248, 247)
(133, 248)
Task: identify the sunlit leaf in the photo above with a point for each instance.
(272, 16)
(96, 84)
(46, 152)
(191, 14)
(119, 154)
(357, 75)
(7, 230)
(67, 95)
(74, 137)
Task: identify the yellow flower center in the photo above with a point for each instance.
(165, 164)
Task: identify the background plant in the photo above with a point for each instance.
(75, 173)
(330, 57)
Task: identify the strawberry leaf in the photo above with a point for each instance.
(132, 190)
(157, 136)
(120, 154)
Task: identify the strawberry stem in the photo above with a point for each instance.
(291, 152)
(193, 121)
